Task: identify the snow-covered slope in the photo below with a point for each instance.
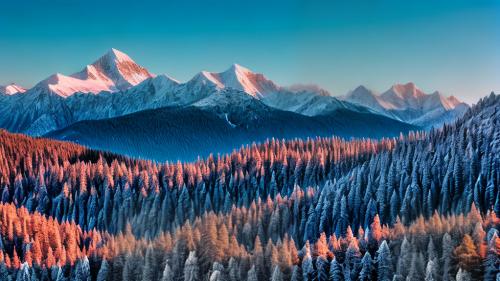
(239, 78)
(115, 71)
(406, 102)
(11, 89)
(310, 102)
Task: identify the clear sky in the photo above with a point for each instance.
(452, 46)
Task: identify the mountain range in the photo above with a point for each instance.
(407, 103)
(241, 104)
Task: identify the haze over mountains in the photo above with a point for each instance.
(242, 101)
(406, 102)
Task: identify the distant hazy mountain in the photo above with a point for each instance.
(406, 102)
(11, 89)
(220, 122)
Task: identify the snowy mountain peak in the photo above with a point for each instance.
(209, 78)
(361, 91)
(239, 69)
(116, 55)
(405, 91)
(11, 89)
(447, 103)
(242, 78)
(454, 101)
(235, 77)
(366, 97)
(117, 67)
(112, 72)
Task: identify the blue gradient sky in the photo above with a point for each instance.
(453, 46)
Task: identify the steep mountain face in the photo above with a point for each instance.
(11, 89)
(115, 71)
(406, 102)
(221, 122)
(239, 78)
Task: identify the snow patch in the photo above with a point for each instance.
(229, 122)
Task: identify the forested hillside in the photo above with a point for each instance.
(421, 206)
(183, 133)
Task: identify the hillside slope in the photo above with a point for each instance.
(187, 132)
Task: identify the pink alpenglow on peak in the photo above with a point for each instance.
(12, 89)
(239, 78)
(114, 71)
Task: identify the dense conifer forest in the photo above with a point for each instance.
(424, 206)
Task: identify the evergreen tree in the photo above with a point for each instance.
(23, 273)
(321, 269)
(430, 271)
(404, 260)
(83, 270)
(252, 274)
(191, 269)
(384, 263)
(492, 261)
(277, 274)
(150, 270)
(447, 257)
(463, 275)
(366, 267)
(336, 273)
(103, 271)
(168, 274)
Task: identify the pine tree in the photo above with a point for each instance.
(447, 257)
(4, 274)
(191, 269)
(321, 269)
(430, 271)
(168, 274)
(384, 262)
(296, 275)
(336, 273)
(60, 275)
(492, 261)
(417, 269)
(463, 275)
(366, 267)
(83, 270)
(233, 270)
(307, 268)
(252, 274)
(103, 271)
(404, 259)
(23, 273)
(132, 270)
(150, 270)
(277, 274)
(467, 256)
